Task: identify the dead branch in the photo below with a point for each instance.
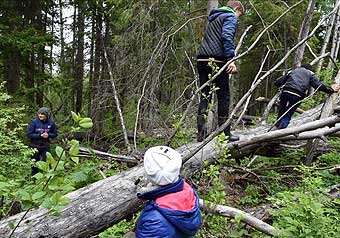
(250, 91)
(113, 84)
(86, 152)
(231, 212)
(327, 110)
(223, 68)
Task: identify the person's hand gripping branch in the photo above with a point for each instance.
(231, 69)
(335, 87)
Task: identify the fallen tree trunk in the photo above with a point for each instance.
(104, 203)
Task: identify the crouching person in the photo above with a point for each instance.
(172, 210)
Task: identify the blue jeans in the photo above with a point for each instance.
(287, 100)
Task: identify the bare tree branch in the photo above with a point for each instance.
(250, 91)
(231, 212)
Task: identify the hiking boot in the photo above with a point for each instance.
(201, 135)
(232, 137)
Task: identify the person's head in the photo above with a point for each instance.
(237, 6)
(162, 165)
(307, 66)
(43, 113)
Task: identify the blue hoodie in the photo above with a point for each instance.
(172, 212)
(218, 41)
(36, 128)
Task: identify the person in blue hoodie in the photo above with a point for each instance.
(172, 210)
(40, 131)
(218, 47)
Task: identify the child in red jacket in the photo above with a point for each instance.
(172, 210)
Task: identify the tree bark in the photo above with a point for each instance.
(233, 212)
(79, 60)
(335, 39)
(96, 115)
(304, 30)
(12, 53)
(327, 110)
(212, 4)
(326, 39)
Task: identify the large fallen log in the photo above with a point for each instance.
(104, 203)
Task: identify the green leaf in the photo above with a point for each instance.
(47, 203)
(24, 195)
(42, 165)
(60, 152)
(79, 176)
(61, 166)
(38, 195)
(74, 150)
(75, 117)
(11, 225)
(68, 188)
(50, 160)
(86, 123)
(75, 159)
(3, 185)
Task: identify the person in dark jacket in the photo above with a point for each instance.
(172, 210)
(218, 47)
(40, 130)
(295, 86)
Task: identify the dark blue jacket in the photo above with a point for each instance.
(36, 128)
(218, 41)
(172, 212)
(300, 80)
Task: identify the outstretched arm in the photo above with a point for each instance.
(322, 87)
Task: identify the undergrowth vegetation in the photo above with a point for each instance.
(303, 200)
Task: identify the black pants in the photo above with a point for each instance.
(223, 96)
(39, 156)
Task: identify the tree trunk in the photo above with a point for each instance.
(62, 40)
(212, 4)
(90, 74)
(12, 70)
(335, 39)
(327, 110)
(326, 39)
(12, 54)
(95, 88)
(79, 60)
(304, 30)
(40, 52)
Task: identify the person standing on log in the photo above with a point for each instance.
(295, 86)
(173, 208)
(40, 130)
(218, 47)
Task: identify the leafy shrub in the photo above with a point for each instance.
(307, 211)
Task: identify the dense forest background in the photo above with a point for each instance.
(130, 67)
(59, 54)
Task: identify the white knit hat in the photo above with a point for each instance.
(162, 165)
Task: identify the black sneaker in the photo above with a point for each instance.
(232, 137)
(201, 136)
